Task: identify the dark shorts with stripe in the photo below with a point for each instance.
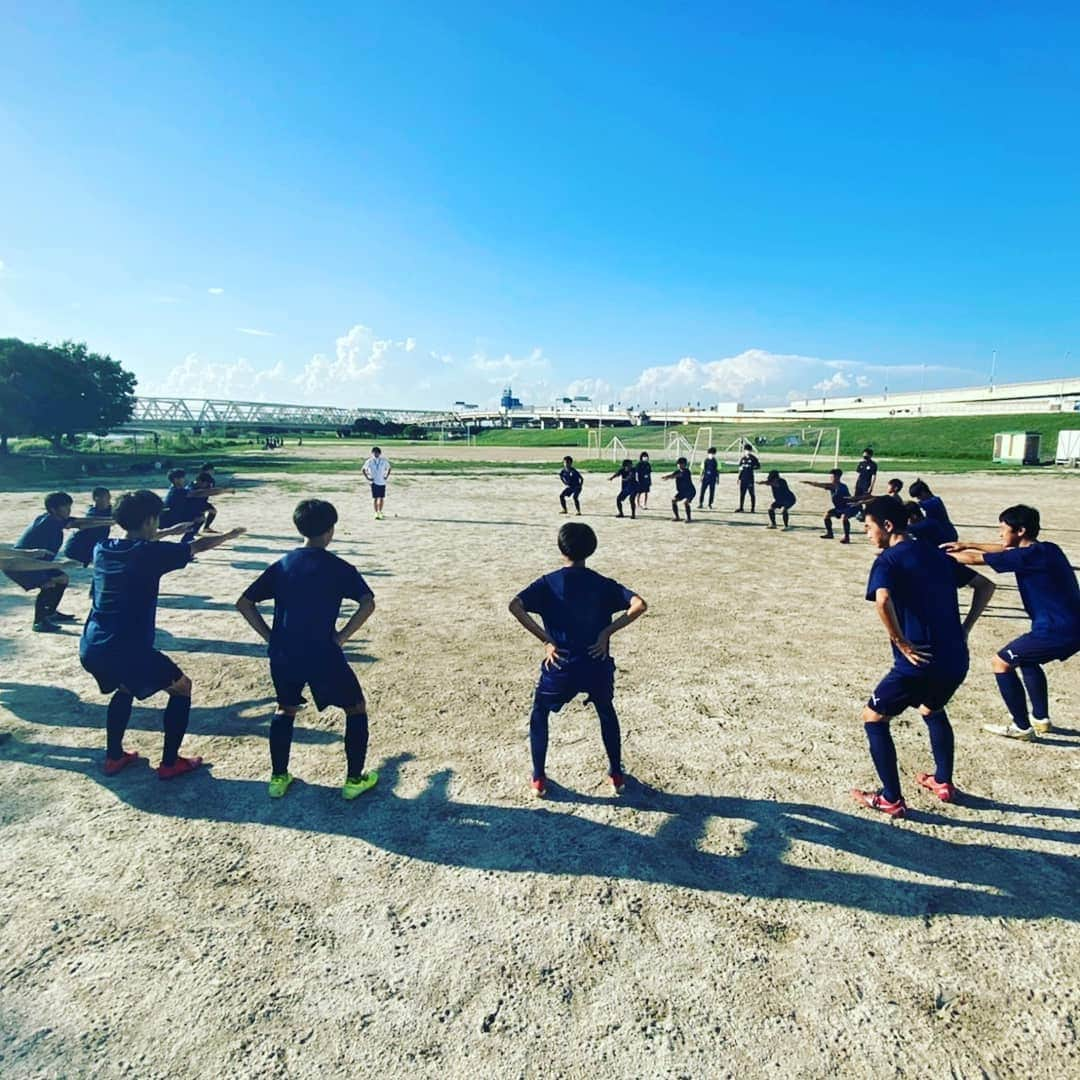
(908, 688)
(144, 672)
(1035, 648)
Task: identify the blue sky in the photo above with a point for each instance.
(410, 204)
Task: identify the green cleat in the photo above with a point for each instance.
(279, 784)
(357, 785)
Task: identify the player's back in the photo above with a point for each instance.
(45, 531)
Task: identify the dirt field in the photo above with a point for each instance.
(734, 915)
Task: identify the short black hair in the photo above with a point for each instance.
(887, 509)
(836, 472)
(313, 517)
(711, 450)
(204, 478)
(747, 446)
(136, 508)
(1022, 517)
(774, 474)
(206, 466)
(626, 461)
(919, 488)
(55, 499)
(643, 454)
(681, 461)
(99, 491)
(577, 541)
(174, 473)
(898, 482)
(376, 450)
(868, 450)
(914, 511)
(568, 459)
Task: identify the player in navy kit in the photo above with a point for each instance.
(79, 546)
(575, 605)
(842, 506)
(627, 475)
(912, 586)
(933, 507)
(572, 482)
(1050, 595)
(117, 645)
(783, 498)
(710, 473)
(747, 464)
(305, 645)
(684, 488)
(644, 480)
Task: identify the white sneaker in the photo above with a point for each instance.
(1042, 727)
(1010, 731)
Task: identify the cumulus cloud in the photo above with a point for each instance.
(253, 332)
(239, 379)
(833, 384)
(216, 291)
(597, 390)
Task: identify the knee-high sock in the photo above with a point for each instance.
(753, 498)
(1012, 693)
(784, 514)
(176, 721)
(538, 737)
(772, 516)
(847, 527)
(281, 734)
(941, 744)
(828, 526)
(562, 502)
(883, 754)
(612, 736)
(116, 722)
(48, 600)
(1035, 680)
(577, 504)
(356, 740)
(675, 507)
(688, 509)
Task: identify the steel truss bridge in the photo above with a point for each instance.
(158, 413)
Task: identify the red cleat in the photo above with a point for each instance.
(114, 765)
(618, 783)
(944, 791)
(874, 801)
(539, 787)
(181, 767)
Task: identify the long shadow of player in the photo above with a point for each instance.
(256, 649)
(972, 879)
(55, 706)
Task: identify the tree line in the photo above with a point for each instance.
(59, 391)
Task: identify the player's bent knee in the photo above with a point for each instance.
(999, 666)
(871, 717)
(180, 688)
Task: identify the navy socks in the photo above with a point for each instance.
(176, 721)
(1035, 680)
(941, 743)
(1012, 693)
(609, 732)
(883, 754)
(538, 737)
(356, 740)
(612, 736)
(281, 735)
(116, 723)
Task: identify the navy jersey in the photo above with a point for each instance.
(127, 574)
(684, 484)
(841, 496)
(644, 473)
(571, 478)
(747, 464)
(176, 508)
(928, 531)
(710, 469)
(935, 510)
(628, 478)
(307, 587)
(922, 586)
(782, 494)
(196, 500)
(80, 545)
(867, 470)
(1047, 585)
(45, 531)
(575, 605)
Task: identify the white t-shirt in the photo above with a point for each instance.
(378, 468)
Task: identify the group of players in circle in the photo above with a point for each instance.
(920, 566)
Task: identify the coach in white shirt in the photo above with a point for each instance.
(377, 471)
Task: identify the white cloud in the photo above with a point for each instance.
(252, 332)
(215, 291)
(598, 390)
(239, 379)
(862, 382)
(410, 344)
(834, 383)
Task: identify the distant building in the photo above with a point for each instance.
(508, 401)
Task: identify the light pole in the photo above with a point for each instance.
(993, 369)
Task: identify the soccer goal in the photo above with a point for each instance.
(702, 442)
(616, 449)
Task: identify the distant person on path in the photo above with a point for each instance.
(644, 480)
(783, 498)
(684, 488)
(45, 534)
(117, 645)
(842, 506)
(572, 482)
(933, 507)
(377, 471)
(747, 464)
(1051, 597)
(912, 586)
(627, 475)
(305, 645)
(575, 605)
(710, 473)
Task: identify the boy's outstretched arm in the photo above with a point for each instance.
(250, 610)
(964, 551)
(599, 648)
(517, 609)
(983, 589)
(213, 493)
(88, 522)
(815, 483)
(174, 530)
(668, 476)
(205, 543)
(359, 617)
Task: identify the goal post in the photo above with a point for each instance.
(617, 448)
(702, 442)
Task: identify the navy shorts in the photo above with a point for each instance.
(568, 491)
(331, 680)
(557, 686)
(848, 511)
(782, 505)
(1036, 648)
(908, 688)
(144, 672)
(378, 491)
(644, 486)
(32, 579)
(686, 493)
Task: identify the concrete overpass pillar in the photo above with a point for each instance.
(543, 424)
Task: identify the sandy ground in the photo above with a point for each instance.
(734, 915)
